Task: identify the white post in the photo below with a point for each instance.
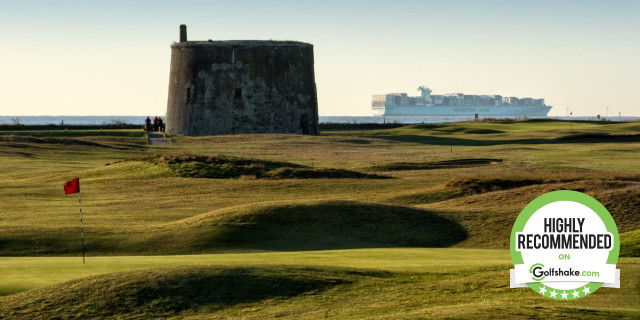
(81, 226)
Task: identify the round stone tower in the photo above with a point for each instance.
(229, 87)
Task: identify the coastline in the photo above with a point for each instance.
(130, 122)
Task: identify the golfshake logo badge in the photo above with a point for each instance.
(564, 246)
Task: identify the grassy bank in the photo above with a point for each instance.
(257, 292)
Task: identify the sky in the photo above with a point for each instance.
(112, 57)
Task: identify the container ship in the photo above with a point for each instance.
(456, 104)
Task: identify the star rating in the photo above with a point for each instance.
(563, 294)
(542, 290)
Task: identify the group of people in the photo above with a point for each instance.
(157, 125)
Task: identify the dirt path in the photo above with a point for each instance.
(158, 138)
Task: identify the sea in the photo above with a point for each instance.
(107, 120)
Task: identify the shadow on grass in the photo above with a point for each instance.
(40, 242)
(333, 225)
(300, 227)
(445, 164)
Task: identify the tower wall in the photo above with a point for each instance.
(228, 87)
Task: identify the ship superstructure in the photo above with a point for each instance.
(456, 104)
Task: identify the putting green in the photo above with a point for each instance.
(24, 273)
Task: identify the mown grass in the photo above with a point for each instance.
(142, 208)
(19, 274)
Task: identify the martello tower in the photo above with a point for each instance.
(228, 87)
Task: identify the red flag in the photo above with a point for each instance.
(72, 186)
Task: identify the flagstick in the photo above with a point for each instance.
(81, 226)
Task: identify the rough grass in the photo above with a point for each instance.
(630, 244)
(444, 164)
(489, 225)
(462, 187)
(624, 206)
(224, 167)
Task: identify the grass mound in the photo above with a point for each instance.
(249, 228)
(50, 140)
(169, 292)
(322, 225)
(445, 164)
(488, 207)
(480, 185)
(465, 187)
(430, 196)
(483, 131)
(336, 293)
(225, 167)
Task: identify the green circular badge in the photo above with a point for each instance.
(564, 246)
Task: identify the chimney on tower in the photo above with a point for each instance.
(183, 33)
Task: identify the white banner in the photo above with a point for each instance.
(608, 274)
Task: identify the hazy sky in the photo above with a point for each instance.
(112, 57)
